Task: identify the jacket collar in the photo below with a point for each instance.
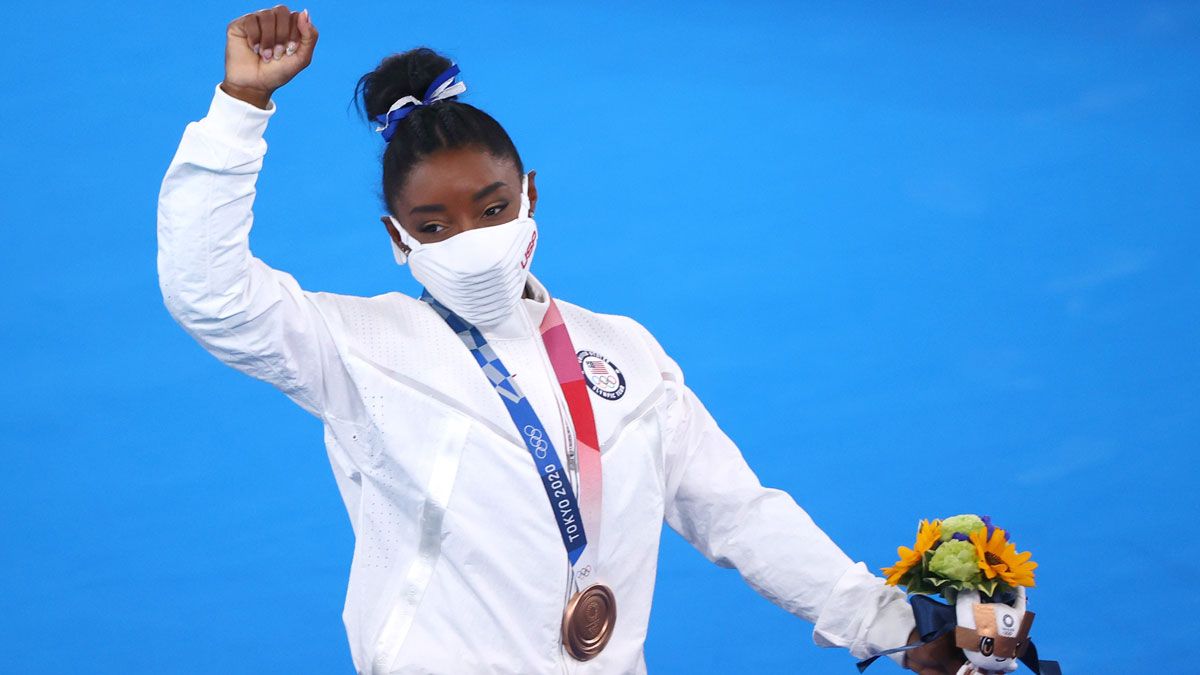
(526, 321)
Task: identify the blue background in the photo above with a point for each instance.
(918, 259)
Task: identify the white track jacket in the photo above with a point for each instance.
(458, 565)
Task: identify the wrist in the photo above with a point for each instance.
(255, 97)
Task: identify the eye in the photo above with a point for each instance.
(432, 228)
(495, 210)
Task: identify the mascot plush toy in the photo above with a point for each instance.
(992, 635)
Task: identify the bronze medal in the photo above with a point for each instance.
(588, 621)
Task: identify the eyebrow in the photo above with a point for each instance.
(437, 208)
(427, 208)
(487, 190)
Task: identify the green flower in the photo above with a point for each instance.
(966, 524)
(955, 560)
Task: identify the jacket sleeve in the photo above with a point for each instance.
(715, 501)
(252, 317)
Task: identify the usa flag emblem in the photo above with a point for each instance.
(603, 377)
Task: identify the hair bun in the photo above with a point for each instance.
(424, 129)
(406, 74)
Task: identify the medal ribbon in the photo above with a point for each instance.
(569, 371)
(572, 524)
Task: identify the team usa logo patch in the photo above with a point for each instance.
(603, 377)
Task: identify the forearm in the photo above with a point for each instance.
(250, 316)
(205, 212)
(720, 506)
(717, 503)
(773, 543)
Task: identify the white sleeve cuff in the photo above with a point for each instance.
(236, 119)
(891, 628)
(864, 615)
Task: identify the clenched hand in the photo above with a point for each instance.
(264, 50)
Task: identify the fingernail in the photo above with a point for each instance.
(256, 47)
(291, 48)
(278, 52)
(266, 55)
(307, 17)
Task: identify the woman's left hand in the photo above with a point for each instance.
(939, 657)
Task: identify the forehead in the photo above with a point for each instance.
(453, 175)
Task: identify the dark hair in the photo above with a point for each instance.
(448, 123)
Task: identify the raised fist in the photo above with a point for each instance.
(264, 50)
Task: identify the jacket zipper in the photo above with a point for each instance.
(572, 463)
(572, 466)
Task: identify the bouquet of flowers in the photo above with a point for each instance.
(973, 565)
(964, 552)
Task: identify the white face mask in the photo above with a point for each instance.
(478, 274)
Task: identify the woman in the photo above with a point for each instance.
(506, 458)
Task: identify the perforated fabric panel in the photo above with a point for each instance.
(412, 378)
(619, 339)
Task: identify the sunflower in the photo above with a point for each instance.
(998, 557)
(927, 535)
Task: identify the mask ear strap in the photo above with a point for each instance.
(412, 244)
(525, 206)
(398, 253)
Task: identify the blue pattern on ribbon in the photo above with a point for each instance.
(529, 428)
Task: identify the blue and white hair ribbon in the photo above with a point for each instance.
(442, 87)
